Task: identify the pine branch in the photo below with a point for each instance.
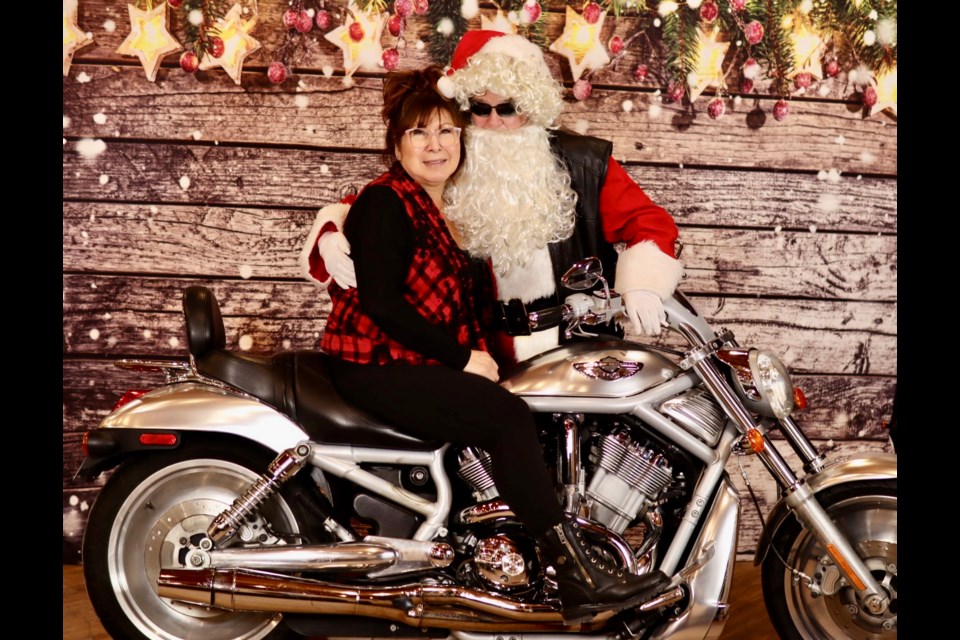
(199, 36)
(680, 37)
(443, 40)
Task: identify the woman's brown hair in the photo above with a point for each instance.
(410, 99)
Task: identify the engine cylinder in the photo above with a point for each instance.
(475, 470)
(627, 478)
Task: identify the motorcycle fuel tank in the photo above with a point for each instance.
(593, 369)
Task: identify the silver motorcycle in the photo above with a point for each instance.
(247, 500)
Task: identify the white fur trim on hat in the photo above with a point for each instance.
(447, 89)
(335, 213)
(520, 48)
(645, 266)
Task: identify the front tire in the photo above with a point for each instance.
(867, 513)
(143, 520)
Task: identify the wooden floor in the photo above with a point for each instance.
(748, 619)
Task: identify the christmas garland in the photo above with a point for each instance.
(797, 45)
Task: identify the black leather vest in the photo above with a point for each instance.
(586, 158)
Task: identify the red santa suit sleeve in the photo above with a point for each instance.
(329, 218)
(628, 215)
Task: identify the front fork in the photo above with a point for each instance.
(799, 497)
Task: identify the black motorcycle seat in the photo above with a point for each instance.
(296, 383)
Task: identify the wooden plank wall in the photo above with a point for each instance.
(790, 228)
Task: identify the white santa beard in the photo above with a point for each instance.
(512, 197)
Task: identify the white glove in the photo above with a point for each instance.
(334, 248)
(645, 310)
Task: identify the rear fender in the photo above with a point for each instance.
(866, 466)
(157, 420)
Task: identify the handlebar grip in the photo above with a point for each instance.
(546, 318)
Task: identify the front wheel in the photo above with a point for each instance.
(867, 513)
(149, 513)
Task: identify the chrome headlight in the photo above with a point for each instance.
(761, 380)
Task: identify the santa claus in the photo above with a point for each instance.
(531, 199)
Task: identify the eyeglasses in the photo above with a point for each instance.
(419, 137)
(482, 109)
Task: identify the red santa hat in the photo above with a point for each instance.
(506, 64)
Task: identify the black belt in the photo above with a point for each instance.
(511, 316)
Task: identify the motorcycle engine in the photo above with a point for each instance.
(628, 477)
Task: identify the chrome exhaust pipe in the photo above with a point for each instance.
(375, 557)
(415, 605)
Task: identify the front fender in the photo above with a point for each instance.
(181, 408)
(867, 466)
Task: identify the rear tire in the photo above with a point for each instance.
(151, 505)
(867, 513)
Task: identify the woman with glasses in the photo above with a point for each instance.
(409, 349)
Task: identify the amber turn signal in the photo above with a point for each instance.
(799, 399)
(755, 438)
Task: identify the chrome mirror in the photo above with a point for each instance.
(583, 274)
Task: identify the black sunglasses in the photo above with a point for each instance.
(482, 109)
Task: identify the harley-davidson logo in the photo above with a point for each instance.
(608, 368)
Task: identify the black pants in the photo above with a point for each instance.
(465, 409)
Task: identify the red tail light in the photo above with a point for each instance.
(163, 439)
(129, 396)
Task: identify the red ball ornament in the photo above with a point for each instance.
(176, 4)
(304, 22)
(802, 80)
(420, 7)
(675, 91)
(869, 96)
(753, 32)
(323, 19)
(616, 45)
(709, 11)
(531, 12)
(356, 32)
(189, 61)
(781, 110)
(751, 68)
(390, 58)
(582, 89)
(290, 18)
(716, 108)
(832, 68)
(591, 13)
(738, 5)
(277, 72)
(746, 85)
(403, 8)
(216, 46)
(396, 25)
(640, 73)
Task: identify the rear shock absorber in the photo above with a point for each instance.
(283, 467)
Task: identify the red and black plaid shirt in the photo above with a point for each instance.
(438, 285)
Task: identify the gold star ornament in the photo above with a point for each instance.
(886, 92)
(237, 44)
(709, 71)
(149, 39)
(365, 52)
(499, 23)
(580, 43)
(73, 36)
(808, 48)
